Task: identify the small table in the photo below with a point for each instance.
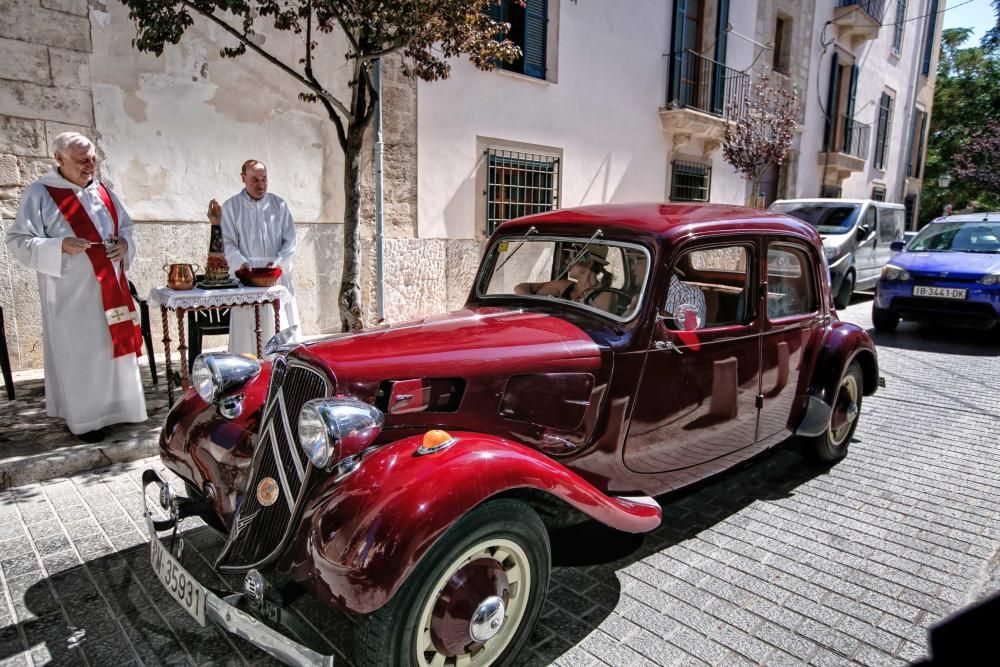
(182, 301)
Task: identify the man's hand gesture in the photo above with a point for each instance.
(214, 212)
(71, 245)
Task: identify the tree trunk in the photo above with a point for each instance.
(350, 283)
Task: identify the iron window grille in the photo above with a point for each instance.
(878, 192)
(690, 181)
(882, 131)
(519, 184)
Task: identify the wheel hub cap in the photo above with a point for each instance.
(487, 619)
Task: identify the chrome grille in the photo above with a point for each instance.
(259, 532)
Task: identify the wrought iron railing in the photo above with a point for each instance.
(855, 137)
(697, 82)
(874, 8)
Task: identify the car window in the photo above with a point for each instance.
(972, 236)
(890, 223)
(712, 282)
(827, 218)
(868, 221)
(790, 287)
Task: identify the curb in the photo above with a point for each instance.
(68, 461)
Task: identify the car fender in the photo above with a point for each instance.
(366, 533)
(842, 343)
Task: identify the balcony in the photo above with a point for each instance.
(857, 21)
(701, 95)
(849, 151)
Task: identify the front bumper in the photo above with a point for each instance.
(223, 610)
(981, 310)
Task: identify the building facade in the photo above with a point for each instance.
(619, 100)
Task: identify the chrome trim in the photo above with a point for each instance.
(487, 619)
(281, 470)
(350, 424)
(281, 341)
(253, 473)
(288, 433)
(229, 371)
(231, 406)
(222, 611)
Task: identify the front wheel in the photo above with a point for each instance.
(884, 320)
(845, 293)
(473, 599)
(831, 444)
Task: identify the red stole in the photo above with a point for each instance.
(119, 309)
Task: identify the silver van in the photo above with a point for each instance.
(856, 235)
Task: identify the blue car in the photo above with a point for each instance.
(949, 272)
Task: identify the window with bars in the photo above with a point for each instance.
(910, 206)
(528, 21)
(882, 131)
(690, 181)
(898, 28)
(519, 184)
(878, 192)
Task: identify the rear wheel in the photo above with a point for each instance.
(831, 445)
(846, 291)
(473, 600)
(884, 320)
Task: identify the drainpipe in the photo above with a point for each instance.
(379, 294)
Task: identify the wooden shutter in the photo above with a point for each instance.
(535, 28)
(929, 37)
(852, 95)
(719, 74)
(831, 102)
(495, 10)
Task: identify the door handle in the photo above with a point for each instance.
(667, 345)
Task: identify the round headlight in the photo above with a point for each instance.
(203, 380)
(314, 437)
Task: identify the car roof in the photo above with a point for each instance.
(992, 216)
(663, 220)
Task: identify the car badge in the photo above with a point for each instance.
(267, 491)
(243, 522)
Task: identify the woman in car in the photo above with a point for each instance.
(587, 274)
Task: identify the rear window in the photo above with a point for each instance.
(831, 218)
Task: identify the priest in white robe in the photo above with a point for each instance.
(65, 230)
(257, 231)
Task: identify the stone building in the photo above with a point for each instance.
(618, 100)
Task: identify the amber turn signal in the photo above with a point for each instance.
(435, 438)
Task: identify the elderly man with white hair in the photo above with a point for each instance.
(75, 233)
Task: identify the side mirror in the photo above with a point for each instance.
(863, 233)
(897, 246)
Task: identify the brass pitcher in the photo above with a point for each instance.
(180, 276)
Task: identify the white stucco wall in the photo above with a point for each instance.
(175, 129)
(602, 113)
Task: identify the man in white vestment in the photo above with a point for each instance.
(75, 233)
(257, 231)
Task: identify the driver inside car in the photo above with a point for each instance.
(585, 280)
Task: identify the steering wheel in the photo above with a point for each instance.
(623, 296)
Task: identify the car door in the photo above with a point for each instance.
(793, 310)
(696, 398)
(867, 240)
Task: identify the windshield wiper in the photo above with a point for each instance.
(573, 260)
(531, 230)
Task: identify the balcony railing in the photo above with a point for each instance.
(874, 8)
(855, 137)
(705, 85)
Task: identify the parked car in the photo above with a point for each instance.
(412, 473)
(857, 235)
(949, 272)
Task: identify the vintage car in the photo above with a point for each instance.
(411, 474)
(949, 273)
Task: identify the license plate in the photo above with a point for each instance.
(178, 581)
(940, 292)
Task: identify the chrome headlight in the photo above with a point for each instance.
(214, 375)
(990, 279)
(331, 427)
(280, 339)
(893, 272)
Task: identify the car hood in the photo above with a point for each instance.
(955, 264)
(475, 341)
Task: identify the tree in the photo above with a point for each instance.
(424, 32)
(759, 129)
(966, 100)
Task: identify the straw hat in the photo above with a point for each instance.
(594, 254)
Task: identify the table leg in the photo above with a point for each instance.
(182, 348)
(256, 318)
(277, 315)
(166, 354)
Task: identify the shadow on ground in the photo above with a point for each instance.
(115, 611)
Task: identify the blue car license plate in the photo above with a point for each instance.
(940, 292)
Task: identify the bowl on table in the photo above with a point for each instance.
(259, 277)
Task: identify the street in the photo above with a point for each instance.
(779, 562)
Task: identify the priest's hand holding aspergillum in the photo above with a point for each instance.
(71, 245)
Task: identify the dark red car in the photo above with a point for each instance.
(412, 473)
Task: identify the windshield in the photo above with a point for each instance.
(603, 276)
(832, 218)
(969, 236)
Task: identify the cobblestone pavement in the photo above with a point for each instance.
(776, 563)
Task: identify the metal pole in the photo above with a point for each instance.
(379, 295)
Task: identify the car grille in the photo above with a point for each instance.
(259, 532)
